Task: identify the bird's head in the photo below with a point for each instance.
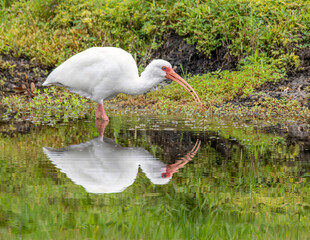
(161, 70)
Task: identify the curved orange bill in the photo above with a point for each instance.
(172, 75)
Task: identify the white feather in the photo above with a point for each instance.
(95, 73)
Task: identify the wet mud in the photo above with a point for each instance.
(294, 88)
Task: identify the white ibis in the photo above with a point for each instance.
(100, 73)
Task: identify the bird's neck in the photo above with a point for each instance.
(142, 84)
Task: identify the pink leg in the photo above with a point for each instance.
(101, 127)
(101, 113)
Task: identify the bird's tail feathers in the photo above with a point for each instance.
(46, 83)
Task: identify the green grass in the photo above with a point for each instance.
(219, 88)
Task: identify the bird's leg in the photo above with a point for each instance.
(101, 113)
(101, 127)
(104, 115)
(98, 112)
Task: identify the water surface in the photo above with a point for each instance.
(155, 178)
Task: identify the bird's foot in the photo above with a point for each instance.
(99, 116)
(105, 118)
(100, 113)
(101, 127)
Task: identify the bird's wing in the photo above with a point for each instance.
(93, 69)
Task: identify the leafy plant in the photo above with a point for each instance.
(46, 108)
(67, 27)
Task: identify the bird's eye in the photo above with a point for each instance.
(164, 68)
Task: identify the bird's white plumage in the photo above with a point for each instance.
(95, 73)
(100, 73)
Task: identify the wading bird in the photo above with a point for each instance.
(100, 73)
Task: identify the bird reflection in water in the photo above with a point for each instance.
(103, 166)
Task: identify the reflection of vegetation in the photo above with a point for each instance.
(250, 195)
(251, 138)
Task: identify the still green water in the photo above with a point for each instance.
(155, 178)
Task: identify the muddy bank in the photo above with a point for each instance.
(293, 88)
(296, 85)
(18, 74)
(188, 59)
